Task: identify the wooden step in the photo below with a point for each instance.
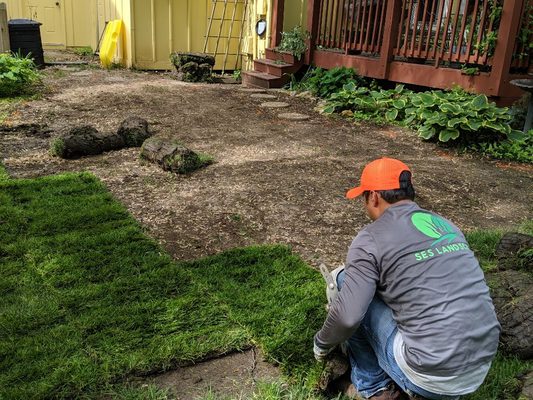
(277, 68)
(263, 80)
(274, 55)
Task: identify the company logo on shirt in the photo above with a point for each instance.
(434, 226)
(439, 229)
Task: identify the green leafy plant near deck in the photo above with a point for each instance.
(323, 83)
(18, 75)
(294, 42)
(511, 150)
(447, 116)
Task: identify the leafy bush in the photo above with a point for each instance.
(449, 115)
(365, 102)
(294, 42)
(323, 83)
(512, 150)
(17, 75)
(458, 114)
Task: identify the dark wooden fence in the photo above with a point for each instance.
(478, 44)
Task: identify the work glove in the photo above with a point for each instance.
(320, 352)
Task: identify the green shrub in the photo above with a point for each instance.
(520, 150)
(445, 115)
(17, 75)
(323, 83)
(457, 114)
(365, 102)
(294, 42)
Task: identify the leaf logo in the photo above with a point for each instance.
(433, 226)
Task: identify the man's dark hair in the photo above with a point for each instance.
(405, 192)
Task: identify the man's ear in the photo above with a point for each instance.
(374, 199)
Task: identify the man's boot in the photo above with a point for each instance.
(391, 393)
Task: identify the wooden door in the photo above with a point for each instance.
(52, 16)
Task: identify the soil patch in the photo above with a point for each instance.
(274, 181)
(235, 376)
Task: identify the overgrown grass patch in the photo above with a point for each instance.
(88, 300)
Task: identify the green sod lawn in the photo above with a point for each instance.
(87, 300)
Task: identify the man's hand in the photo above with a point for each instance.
(320, 353)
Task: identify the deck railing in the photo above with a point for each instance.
(440, 31)
(483, 41)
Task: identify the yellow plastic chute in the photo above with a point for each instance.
(110, 41)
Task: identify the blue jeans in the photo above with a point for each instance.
(371, 353)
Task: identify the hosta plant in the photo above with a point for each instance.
(442, 115)
(458, 115)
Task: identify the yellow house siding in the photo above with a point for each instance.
(81, 23)
(155, 28)
(165, 26)
(295, 14)
(66, 23)
(253, 46)
(14, 9)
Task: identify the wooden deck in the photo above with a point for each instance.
(478, 44)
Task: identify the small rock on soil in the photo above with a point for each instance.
(275, 104)
(252, 90)
(294, 116)
(263, 96)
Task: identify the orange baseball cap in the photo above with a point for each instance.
(381, 174)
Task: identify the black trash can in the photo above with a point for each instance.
(25, 38)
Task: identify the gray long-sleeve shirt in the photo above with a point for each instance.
(420, 265)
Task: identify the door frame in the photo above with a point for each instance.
(63, 21)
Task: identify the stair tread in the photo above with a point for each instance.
(261, 75)
(273, 63)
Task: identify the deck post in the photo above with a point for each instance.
(313, 11)
(503, 53)
(278, 13)
(390, 34)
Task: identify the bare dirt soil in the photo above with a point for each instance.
(234, 376)
(274, 181)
